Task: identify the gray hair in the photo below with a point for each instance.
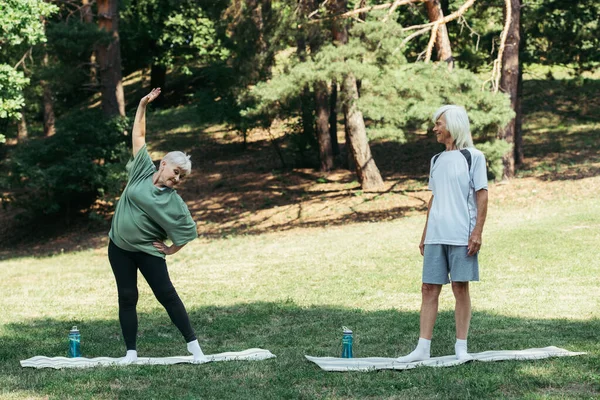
(457, 123)
(180, 160)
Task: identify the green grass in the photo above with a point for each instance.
(291, 293)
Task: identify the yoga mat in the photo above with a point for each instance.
(82, 362)
(377, 363)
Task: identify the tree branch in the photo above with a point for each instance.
(371, 8)
(446, 19)
(22, 60)
(434, 32)
(395, 5)
(497, 70)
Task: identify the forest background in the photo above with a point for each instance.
(321, 83)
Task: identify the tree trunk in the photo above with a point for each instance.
(158, 79)
(509, 83)
(88, 18)
(22, 134)
(335, 146)
(109, 60)
(366, 170)
(49, 119)
(321, 93)
(519, 155)
(306, 104)
(323, 136)
(442, 40)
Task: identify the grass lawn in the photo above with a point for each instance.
(291, 292)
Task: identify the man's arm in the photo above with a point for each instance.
(138, 134)
(422, 244)
(475, 239)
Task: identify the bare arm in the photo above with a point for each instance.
(168, 250)
(138, 134)
(475, 239)
(422, 244)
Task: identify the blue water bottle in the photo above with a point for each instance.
(346, 343)
(74, 342)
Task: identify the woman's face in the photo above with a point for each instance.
(441, 132)
(171, 175)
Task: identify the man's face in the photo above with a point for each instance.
(441, 132)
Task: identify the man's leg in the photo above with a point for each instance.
(430, 294)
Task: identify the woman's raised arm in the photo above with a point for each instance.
(138, 134)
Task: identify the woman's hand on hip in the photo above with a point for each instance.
(167, 250)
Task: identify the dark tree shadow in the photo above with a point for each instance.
(291, 331)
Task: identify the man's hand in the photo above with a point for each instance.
(474, 243)
(422, 247)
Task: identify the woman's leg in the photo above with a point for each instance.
(156, 274)
(125, 272)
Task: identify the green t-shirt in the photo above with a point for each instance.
(147, 214)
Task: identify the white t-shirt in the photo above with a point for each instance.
(454, 209)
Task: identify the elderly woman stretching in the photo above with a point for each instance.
(452, 234)
(150, 211)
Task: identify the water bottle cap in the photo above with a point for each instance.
(347, 330)
(74, 329)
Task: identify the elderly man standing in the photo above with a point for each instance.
(452, 235)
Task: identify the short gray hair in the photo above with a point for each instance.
(457, 123)
(180, 160)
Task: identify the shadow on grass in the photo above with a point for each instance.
(557, 143)
(290, 331)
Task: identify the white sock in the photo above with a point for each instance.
(421, 353)
(129, 358)
(460, 349)
(194, 348)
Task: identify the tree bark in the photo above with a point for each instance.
(49, 118)
(158, 78)
(22, 134)
(335, 146)
(323, 136)
(321, 93)
(509, 83)
(88, 17)
(519, 155)
(442, 41)
(109, 60)
(366, 170)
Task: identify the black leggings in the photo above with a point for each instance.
(125, 265)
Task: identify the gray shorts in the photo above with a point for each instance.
(441, 260)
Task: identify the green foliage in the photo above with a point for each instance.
(189, 36)
(69, 49)
(67, 172)
(395, 95)
(12, 83)
(563, 32)
(20, 24)
(172, 33)
(494, 150)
